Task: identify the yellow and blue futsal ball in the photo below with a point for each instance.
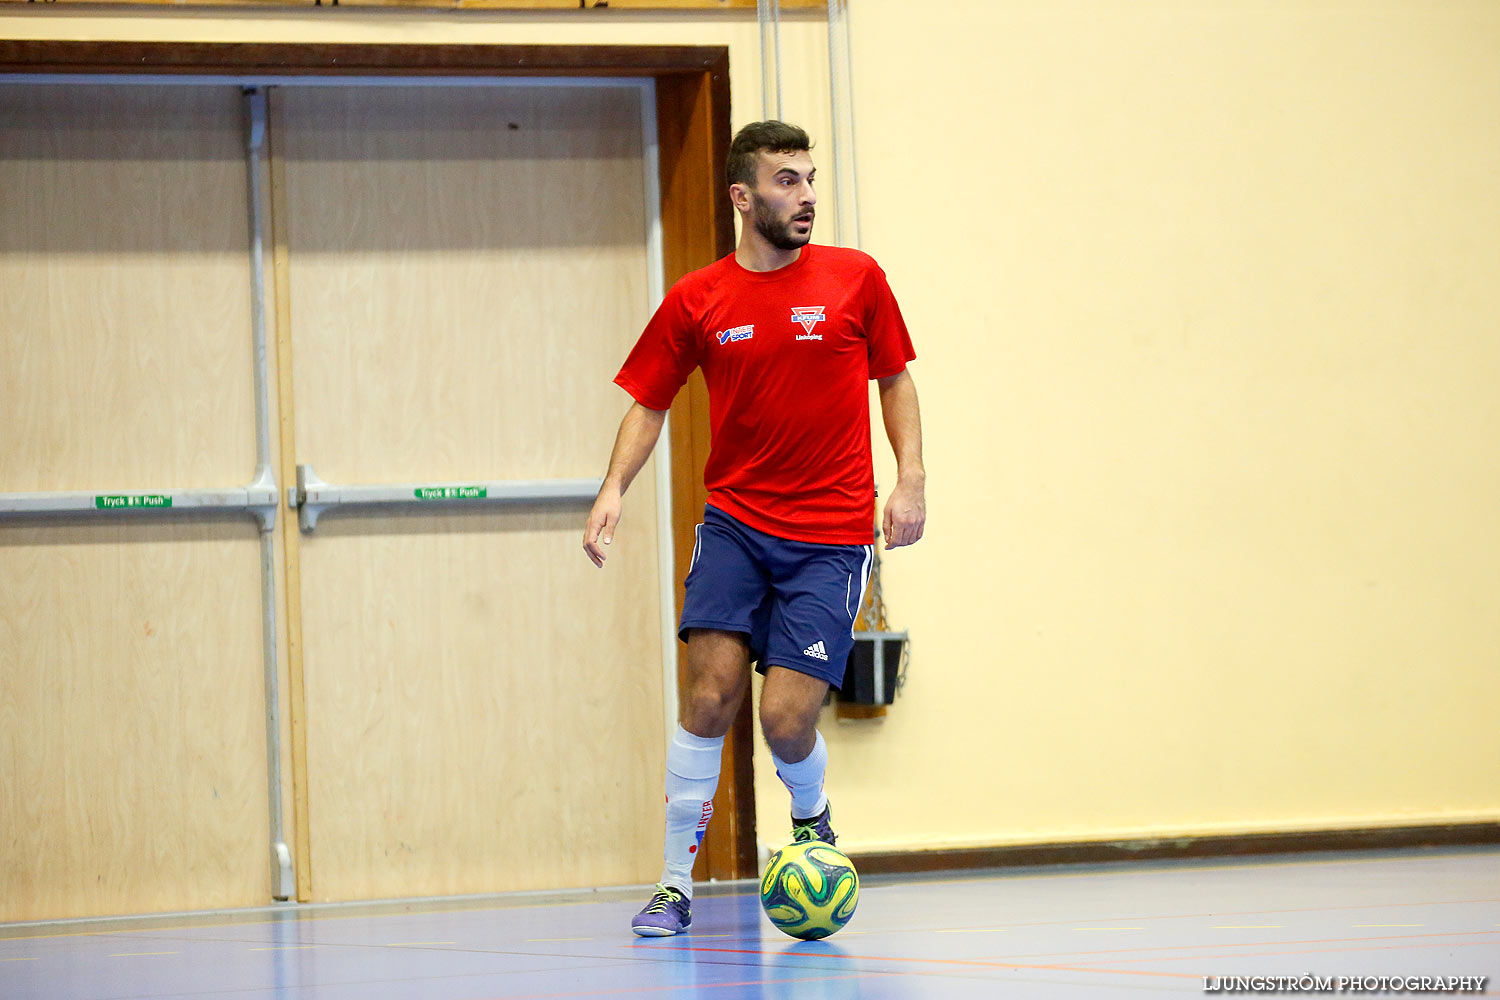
(809, 889)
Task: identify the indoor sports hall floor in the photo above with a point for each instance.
(1126, 930)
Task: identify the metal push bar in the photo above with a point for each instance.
(312, 497)
(258, 499)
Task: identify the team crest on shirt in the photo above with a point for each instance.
(809, 317)
(736, 333)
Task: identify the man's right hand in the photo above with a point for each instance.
(638, 433)
(599, 532)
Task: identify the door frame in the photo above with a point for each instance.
(697, 227)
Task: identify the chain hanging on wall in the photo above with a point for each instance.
(877, 666)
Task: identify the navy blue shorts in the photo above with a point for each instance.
(795, 600)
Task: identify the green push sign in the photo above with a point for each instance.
(128, 501)
(452, 492)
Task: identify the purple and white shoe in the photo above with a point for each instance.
(668, 913)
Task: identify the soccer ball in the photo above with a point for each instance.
(809, 889)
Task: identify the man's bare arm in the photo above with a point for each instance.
(906, 507)
(638, 433)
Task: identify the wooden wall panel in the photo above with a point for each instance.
(484, 707)
(132, 734)
(467, 269)
(125, 362)
(468, 272)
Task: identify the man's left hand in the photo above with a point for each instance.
(905, 514)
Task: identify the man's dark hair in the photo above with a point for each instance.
(758, 137)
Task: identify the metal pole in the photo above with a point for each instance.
(283, 884)
(768, 12)
(841, 98)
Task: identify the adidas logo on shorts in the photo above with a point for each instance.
(817, 651)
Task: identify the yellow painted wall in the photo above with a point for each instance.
(1206, 300)
(1204, 296)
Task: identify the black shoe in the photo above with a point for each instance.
(819, 827)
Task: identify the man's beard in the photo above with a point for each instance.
(777, 233)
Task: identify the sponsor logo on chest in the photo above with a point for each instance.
(735, 333)
(808, 317)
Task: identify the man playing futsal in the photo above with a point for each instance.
(788, 335)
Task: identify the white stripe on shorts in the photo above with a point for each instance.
(697, 545)
(864, 577)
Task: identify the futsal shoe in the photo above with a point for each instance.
(820, 827)
(668, 913)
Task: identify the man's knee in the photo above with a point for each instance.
(708, 708)
(717, 675)
(789, 709)
(790, 735)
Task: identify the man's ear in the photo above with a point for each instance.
(739, 196)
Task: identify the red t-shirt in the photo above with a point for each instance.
(787, 355)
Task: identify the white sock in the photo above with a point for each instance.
(804, 780)
(692, 777)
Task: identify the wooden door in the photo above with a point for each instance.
(132, 709)
(465, 269)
